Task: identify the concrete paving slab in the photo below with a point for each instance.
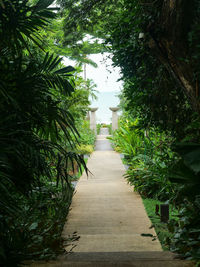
(102, 143)
(154, 263)
(120, 259)
(106, 213)
(103, 131)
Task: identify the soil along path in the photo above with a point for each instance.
(105, 212)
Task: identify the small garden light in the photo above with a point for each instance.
(141, 35)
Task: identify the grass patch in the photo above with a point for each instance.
(160, 228)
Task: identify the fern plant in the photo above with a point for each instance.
(37, 133)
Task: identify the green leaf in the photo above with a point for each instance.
(65, 70)
(33, 226)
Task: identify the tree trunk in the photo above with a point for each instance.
(172, 45)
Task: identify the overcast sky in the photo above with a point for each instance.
(105, 77)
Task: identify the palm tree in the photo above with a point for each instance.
(35, 128)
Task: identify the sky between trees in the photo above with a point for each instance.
(105, 77)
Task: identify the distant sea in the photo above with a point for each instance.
(104, 101)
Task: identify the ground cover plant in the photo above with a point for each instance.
(162, 230)
(34, 231)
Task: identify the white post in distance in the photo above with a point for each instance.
(114, 118)
(93, 119)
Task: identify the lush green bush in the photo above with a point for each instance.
(126, 138)
(185, 232)
(37, 134)
(84, 149)
(186, 175)
(34, 231)
(87, 136)
(150, 179)
(148, 155)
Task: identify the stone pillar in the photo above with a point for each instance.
(93, 119)
(114, 118)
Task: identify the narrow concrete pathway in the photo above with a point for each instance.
(102, 143)
(105, 212)
(107, 219)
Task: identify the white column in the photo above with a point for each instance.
(93, 119)
(114, 118)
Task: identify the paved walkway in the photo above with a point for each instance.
(106, 213)
(107, 219)
(103, 144)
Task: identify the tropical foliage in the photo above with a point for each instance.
(38, 133)
(149, 157)
(156, 46)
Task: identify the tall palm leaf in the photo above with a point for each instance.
(20, 22)
(30, 103)
(35, 128)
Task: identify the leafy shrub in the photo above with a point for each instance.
(186, 171)
(34, 231)
(126, 138)
(186, 231)
(149, 178)
(148, 155)
(84, 149)
(87, 136)
(34, 125)
(186, 175)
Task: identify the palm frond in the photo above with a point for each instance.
(20, 22)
